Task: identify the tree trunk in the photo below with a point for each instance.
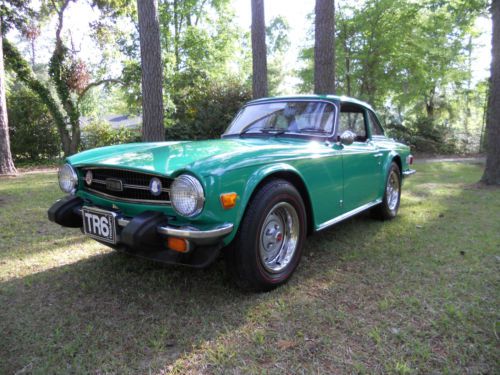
(176, 36)
(6, 163)
(491, 174)
(324, 47)
(259, 51)
(429, 103)
(152, 94)
(33, 53)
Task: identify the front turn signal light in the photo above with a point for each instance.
(228, 200)
(178, 244)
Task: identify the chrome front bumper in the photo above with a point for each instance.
(409, 172)
(195, 235)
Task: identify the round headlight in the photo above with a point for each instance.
(68, 179)
(186, 195)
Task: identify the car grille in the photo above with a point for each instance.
(135, 185)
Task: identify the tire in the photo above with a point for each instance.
(268, 245)
(388, 209)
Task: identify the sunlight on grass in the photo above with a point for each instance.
(49, 256)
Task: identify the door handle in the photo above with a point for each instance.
(378, 155)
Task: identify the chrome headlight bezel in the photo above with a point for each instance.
(68, 179)
(187, 195)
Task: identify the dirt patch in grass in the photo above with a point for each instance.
(419, 294)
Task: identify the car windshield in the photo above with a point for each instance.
(294, 117)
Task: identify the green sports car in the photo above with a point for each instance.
(286, 167)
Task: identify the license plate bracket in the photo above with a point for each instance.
(99, 224)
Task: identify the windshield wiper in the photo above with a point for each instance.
(313, 130)
(249, 126)
(273, 131)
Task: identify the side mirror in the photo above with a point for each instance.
(347, 137)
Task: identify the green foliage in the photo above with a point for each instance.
(100, 134)
(277, 45)
(408, 57)
(199, 38)
(59, 72)
(16, 63)
(277, 35)
(200, 43)
(15, 14)
(131, 76)
(424, 136)
(33, 134)
(205, 113)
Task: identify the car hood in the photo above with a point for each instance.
(203, 157)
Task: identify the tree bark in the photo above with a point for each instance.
(324, 47)
(259, 50)
(33, 53)
(151, 66)
(491, 174)
(347, 51)
(6, 163)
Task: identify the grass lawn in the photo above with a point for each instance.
(419, 294)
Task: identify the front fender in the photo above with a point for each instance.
(253, 182)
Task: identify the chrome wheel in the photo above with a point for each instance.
(392, 190)
(279, 237)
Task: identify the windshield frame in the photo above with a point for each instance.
(314, 136)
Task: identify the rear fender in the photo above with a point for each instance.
(391, 156)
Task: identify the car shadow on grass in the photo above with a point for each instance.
(114, 312)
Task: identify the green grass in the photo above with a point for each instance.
(419, 294)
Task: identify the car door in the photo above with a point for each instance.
(361, 160)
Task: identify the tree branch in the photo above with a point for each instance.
(60, 14)
(98, 83)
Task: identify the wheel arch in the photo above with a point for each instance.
(397, 159)
(284, 172)
(393, 156)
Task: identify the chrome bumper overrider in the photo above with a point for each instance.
(409, 172)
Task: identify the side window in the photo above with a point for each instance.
(352, 118)
(374, 125)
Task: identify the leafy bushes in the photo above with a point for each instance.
(33, 134)
(425, 136)
(205, 113)
(100, 133)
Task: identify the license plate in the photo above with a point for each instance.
(99, 224)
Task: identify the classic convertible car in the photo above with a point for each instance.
(286, 167)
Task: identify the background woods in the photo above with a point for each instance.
(413, 61)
